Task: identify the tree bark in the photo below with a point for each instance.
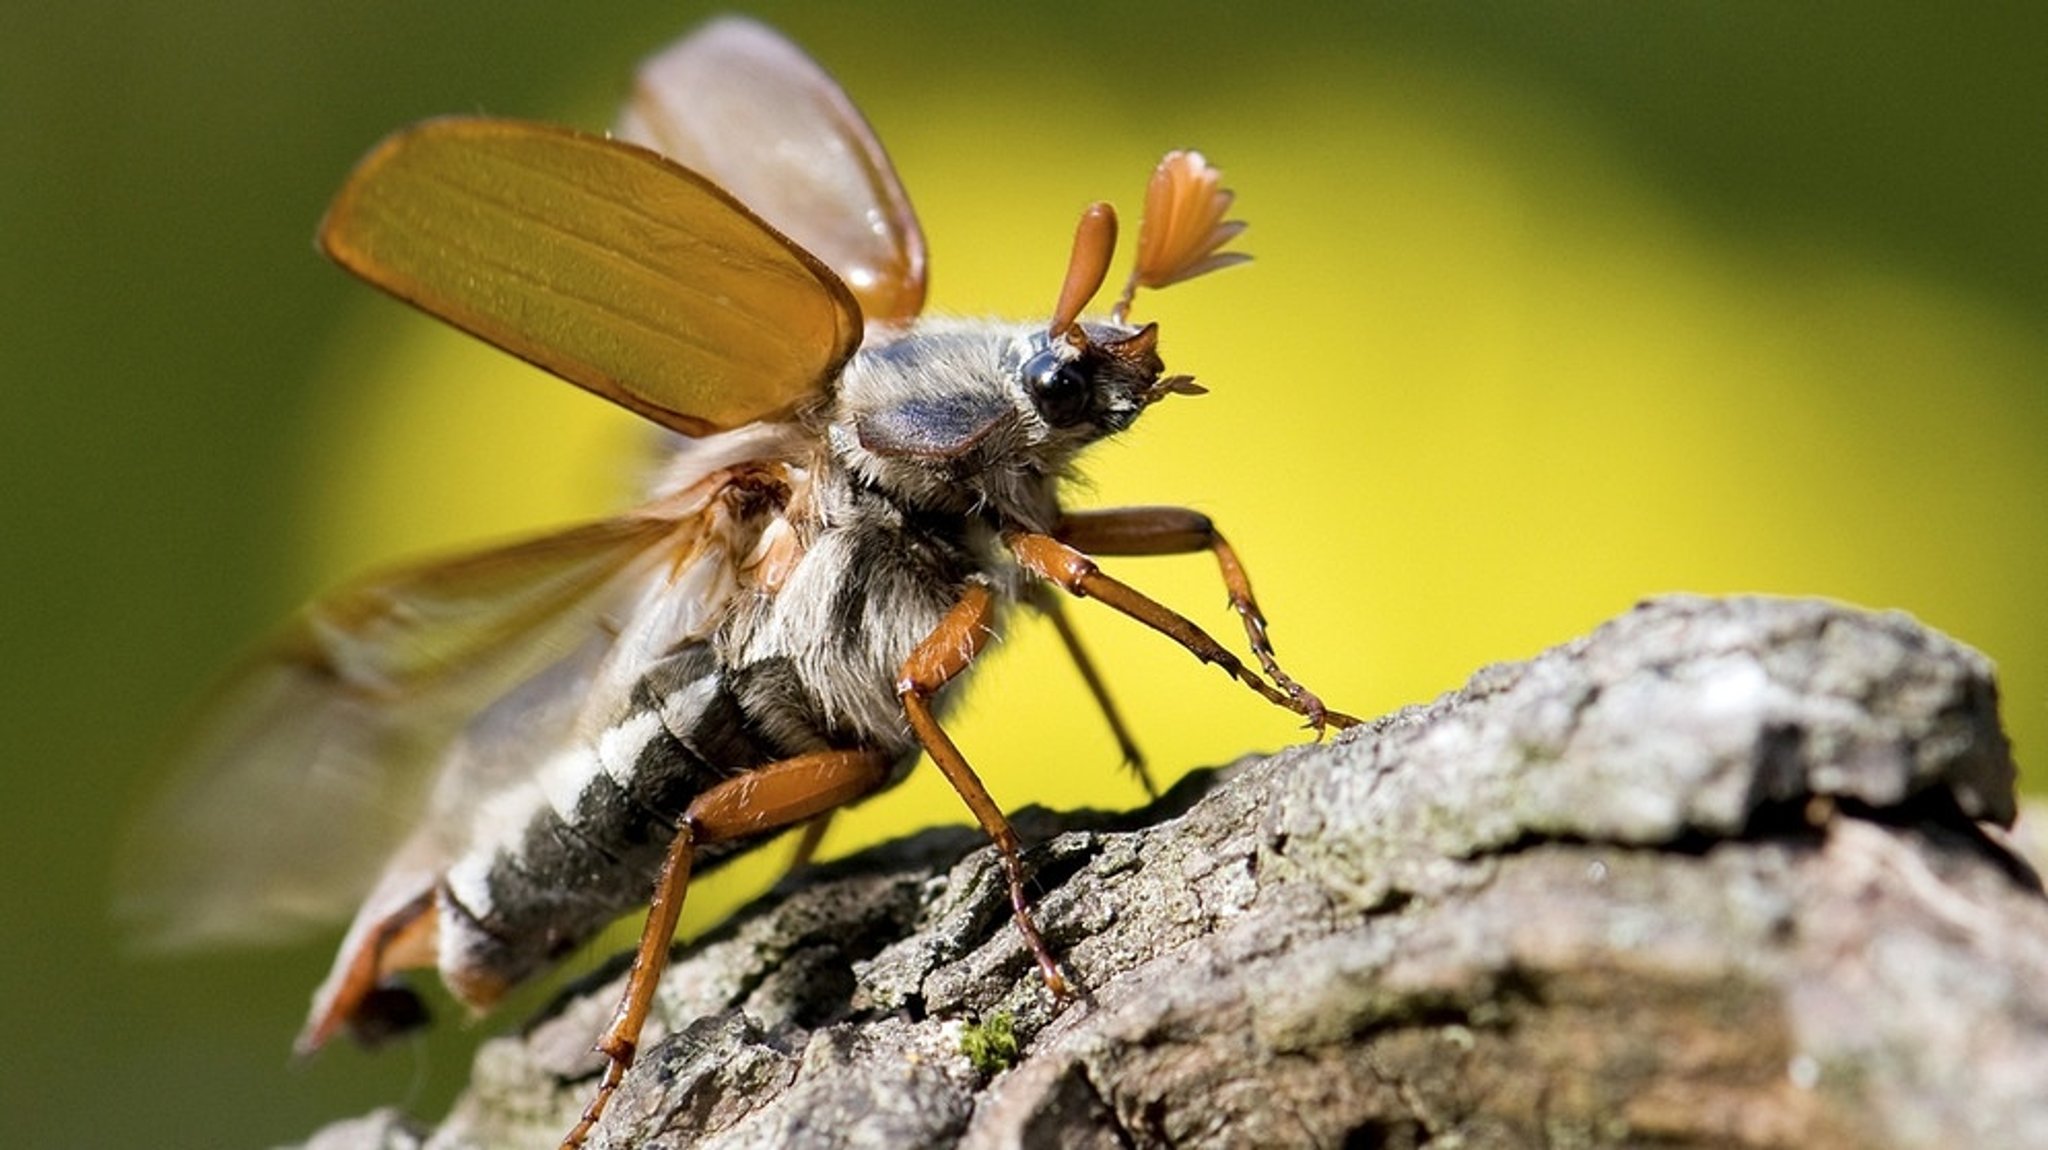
(1722, 873)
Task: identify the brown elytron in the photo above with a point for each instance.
(492, 758)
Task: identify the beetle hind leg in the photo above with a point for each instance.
(361, 997)
(771, 798)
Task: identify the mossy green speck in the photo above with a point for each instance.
(992, 1045)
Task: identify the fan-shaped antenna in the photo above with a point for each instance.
(1183, 229)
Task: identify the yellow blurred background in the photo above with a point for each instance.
(1552, 310)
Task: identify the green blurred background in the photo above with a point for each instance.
(1556, 306)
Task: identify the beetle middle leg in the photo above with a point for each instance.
(1047, 604)
(807, 841)
(943, 654)
(773, 797)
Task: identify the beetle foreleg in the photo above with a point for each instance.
(1181, 531)
(1054, 560)
(768, 799)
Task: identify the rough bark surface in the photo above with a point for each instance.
(1718, 874)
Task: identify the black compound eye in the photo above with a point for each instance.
(1059, 388)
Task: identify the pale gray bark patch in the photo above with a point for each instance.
(1719, 873)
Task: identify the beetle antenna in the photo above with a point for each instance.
(1094, 248)
(1183, 230)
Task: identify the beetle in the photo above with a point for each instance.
(855, 499)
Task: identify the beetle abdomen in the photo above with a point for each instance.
(613, 802)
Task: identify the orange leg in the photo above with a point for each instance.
(775, 796)
(1179, 531)
(1166, 531)
(357, 997)
(1125, 745)
(944, 654)
(807, 842)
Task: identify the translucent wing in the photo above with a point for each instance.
(313, 759)
(600, 262)
(747, 108)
